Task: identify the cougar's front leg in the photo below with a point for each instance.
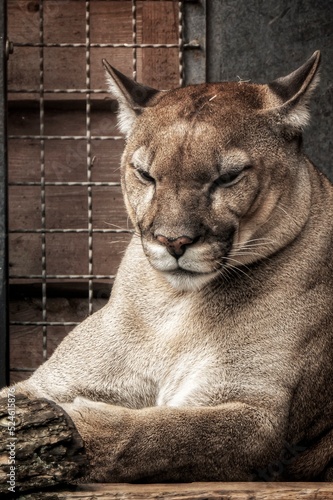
(228, 443)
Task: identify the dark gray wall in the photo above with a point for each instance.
(264, 39)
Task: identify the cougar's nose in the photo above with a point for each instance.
(175, 246)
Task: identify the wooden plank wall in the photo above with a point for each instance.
(66, 160)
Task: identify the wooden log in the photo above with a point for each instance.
(39, 445)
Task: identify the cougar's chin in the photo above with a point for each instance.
(186, 281)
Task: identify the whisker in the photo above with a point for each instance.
(250, 248)
(227, 274)
(118, 241)
(234, 268)
(252, 245)
(236, 261)
(282, 208)
(256, 240)
(238, 271)
(250, 253)
(119, 227)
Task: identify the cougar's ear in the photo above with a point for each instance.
(131, 96)
(293, 92)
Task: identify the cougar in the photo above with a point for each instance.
(213, 359)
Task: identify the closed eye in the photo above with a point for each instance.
(143, 175)
(229, 178)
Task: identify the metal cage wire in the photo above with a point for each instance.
(42, 138)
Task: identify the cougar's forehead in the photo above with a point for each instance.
(193, 150)
(222, 113)
(177, 148)
(193, 128)
(198, 101)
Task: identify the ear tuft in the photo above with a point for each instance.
(131, 96)
(294, 92)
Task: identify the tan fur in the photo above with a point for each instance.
(213, 365)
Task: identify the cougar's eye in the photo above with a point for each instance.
(144, 176)
(230, 178)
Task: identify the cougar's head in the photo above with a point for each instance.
(212, 174)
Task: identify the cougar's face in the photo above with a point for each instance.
(213, 174)
(194, 189)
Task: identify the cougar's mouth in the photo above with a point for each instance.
(188, 273)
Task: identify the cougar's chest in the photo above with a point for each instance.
(186, 364)
(207, 355)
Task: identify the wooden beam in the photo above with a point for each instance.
(194, 491)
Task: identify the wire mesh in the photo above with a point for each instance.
(41, 138)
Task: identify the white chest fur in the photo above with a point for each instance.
(186, 363)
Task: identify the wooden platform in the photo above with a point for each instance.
(194, 491)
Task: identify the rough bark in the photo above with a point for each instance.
(39, 445)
